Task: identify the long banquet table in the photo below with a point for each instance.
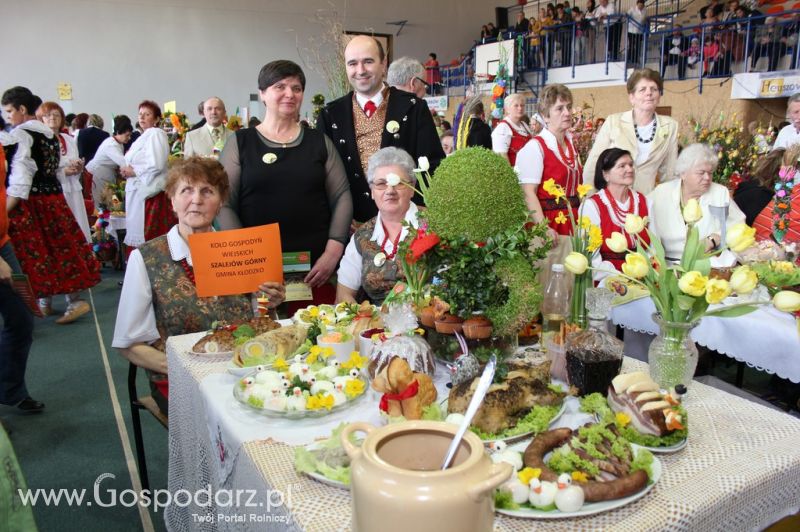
(739, 471)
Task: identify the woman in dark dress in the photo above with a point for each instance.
(755, 193)
(283, 173)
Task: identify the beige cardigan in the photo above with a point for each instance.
(617, 132)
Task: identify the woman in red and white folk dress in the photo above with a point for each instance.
(47, 241)
(608, 208)
(512, 133)
(70, 167)
(147, 209)
(551, 155)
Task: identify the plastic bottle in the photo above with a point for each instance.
(555, 307)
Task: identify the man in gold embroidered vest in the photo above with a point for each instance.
(374, 116)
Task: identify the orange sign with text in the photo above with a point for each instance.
(236, 261)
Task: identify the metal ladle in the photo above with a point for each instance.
(474, 404)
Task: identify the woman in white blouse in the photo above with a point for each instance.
(109, 158)
(651, 139)
(513, 132)
(147, 209)
(70, 167)
(159, 298)
(370, 259)
(695, 166)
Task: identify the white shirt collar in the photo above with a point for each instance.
(38, 127)
(411, 217)
(377, 99)
(178, 247)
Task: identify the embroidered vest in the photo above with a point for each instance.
(518, 141)
(46, 153)
(178, 309)
(564, 176)
(369, 130)
(376, 281)
(609, 223)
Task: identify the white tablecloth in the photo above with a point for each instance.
(740, 471)
(765, 339)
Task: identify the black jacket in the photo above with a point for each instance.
(480, 134)
(417, 135)
(89, 139)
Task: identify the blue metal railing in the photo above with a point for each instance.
(739, 44)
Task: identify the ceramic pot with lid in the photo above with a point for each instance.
(397, 485)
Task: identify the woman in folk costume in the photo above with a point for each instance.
(651, 139)
(512, 133)
(50, 246)
(551, 155)
(147, 209)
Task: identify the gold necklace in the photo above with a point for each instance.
(285, 143)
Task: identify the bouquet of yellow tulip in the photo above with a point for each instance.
(586, 238)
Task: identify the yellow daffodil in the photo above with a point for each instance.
(580, 476)
(617, 242)
(693, 283)
(635, 266)
(313, 312)
(585, 222)
(576, 262)
(313, 354)
(634, 224)
(743, 280)
(622, 419)
(595, 238)
(554, 190)
(717, 290)
(782, 266)
(327, 352)
(786, 301)
(692, 211)
(355, 361)
(353, 388)
(528, 473)
(280, 364)
(740, 237)
(583, 189)
(560, 218)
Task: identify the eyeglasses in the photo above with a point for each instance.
(383, 185)
(422, 81)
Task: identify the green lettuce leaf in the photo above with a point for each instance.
(536, 421)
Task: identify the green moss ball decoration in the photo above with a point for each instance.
(524, 296)
(474, 194)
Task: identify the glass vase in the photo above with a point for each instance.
(672, 355)
(577, 312)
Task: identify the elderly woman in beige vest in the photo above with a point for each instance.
(651, 139)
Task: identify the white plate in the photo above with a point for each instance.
(517, 437)
(667, 449)
(319, 477)
(590, 508)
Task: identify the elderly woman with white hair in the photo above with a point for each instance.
(695, 167)
(512, 133)
(370, 259)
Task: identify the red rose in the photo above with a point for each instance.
(421, 244)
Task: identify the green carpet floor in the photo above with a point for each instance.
(75, 440)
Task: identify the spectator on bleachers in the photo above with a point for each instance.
(730, 13)
(693, 54)
(788, 41)
(739, 41)
(714, 7)
(522, 24)
(675, 47)
(548, 19)
(635, 31)
(581, 27)
(535, 57)
(493, 32)
(613, 26)
(767, 43)
(564, 35)
(485, 33)
(591, 30)
(434, 75)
